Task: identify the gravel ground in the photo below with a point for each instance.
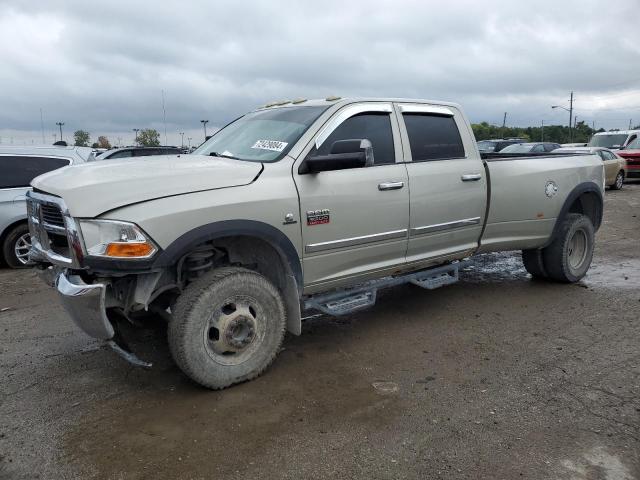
(497, 377)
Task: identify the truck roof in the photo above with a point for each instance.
(344, 101)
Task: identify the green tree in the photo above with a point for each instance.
(81, 138)
(149, 137)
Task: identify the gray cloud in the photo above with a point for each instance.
(102, 67)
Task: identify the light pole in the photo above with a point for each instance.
(60, 124)
(136, 130)
(182, 139)
(204, 124)
(570, 110)
(189, 138)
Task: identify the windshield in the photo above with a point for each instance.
(517, 148)
(262, 136)
(633, 145)
(614, 140)
(486, 146)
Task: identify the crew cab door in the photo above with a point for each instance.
(447, 181)
(354, 220)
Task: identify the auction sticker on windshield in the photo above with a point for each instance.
(273, 145)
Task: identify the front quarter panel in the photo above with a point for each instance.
(268, 200)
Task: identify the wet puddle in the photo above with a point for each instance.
(507, 266)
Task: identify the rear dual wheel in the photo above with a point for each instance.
(568, 258)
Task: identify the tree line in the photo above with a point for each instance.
(147, 137)
(581, 133)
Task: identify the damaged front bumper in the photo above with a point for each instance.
(86, 305)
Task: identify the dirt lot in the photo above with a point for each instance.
(497, 377)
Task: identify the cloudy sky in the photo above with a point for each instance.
(102, 66)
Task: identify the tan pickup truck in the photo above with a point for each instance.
(304, 205)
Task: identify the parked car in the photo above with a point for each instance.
(532, 147)
(613, 140)
(18, 166)
(138, 152)
(496, 145)
(631, 153)
(615, 167)
(300, 207)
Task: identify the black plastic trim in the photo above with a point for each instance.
(580, 189)
(229, 228)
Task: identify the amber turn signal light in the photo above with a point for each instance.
(129, 250)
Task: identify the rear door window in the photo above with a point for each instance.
(433, 137)
(18, 171)
(538, 149)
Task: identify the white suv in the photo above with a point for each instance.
(18, 166)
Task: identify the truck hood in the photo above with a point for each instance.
(629, 153)
(93, 188)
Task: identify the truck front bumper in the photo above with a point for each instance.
(86, 305)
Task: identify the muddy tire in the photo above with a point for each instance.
(569, 256)
(534, 263)
(227, 327)
(16, 245)
(619, 182)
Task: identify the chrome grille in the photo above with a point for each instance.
(52, 215)
(53, 231)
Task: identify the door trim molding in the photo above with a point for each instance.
(439, 227)
(354, 241)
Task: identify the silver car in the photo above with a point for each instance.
(18, 166)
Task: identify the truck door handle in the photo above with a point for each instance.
(471, 177)
(390, 185)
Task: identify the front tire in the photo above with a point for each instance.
(16, 246)
(569, 256)
(227, 327)
(617, 185)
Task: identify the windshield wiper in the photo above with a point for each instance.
(222, 155)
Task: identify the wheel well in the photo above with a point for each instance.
(253, 253)
(588, 204)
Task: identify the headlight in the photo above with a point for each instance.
(114, 239)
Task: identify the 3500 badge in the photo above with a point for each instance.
(318, 217)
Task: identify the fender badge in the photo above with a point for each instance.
(550, 189)
(318, 217)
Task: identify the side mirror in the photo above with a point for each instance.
(344, 154)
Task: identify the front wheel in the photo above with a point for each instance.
(569, 256)
(617, 185)
(227, 327)
(16, 246)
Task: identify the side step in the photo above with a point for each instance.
(343, 302)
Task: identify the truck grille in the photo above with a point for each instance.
(51, 239)
(52, 215)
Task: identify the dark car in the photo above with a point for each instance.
(138, 152)
(491, 146)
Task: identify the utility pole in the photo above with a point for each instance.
(42, 126)
(60, 124)
(204, 124)
(181, 139)
(136, 130)
(164, 120)
(570, 115)
(570, 110)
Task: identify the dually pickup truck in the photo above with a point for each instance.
(311, 205)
